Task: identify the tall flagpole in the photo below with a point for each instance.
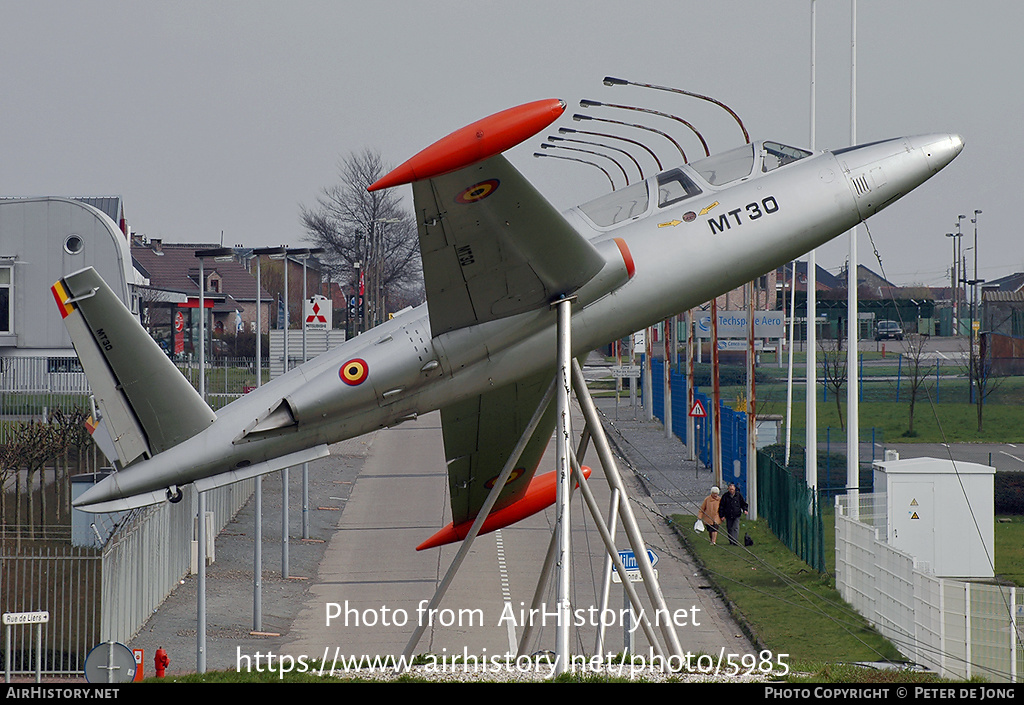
(852, 373)
(811, 449)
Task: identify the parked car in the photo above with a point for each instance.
(888, 330)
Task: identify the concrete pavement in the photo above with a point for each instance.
(373, 501)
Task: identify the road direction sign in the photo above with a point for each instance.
(628, 559)
(26, 617)
(633, 573)
(633, 576)
(626, 371)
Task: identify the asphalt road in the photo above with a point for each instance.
(1005, 457)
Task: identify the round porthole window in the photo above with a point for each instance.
(73, 244)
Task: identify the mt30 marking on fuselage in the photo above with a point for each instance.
(767, 206)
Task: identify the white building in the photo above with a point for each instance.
(41, 240)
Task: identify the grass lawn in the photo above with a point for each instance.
(938, 423)
(791, 608)
(1010, 549)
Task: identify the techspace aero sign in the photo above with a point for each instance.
(733, 324)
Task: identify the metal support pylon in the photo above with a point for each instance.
(569, 378)
(563, 436)
(478, 523)
(625, 512)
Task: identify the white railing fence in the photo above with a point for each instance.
(956, 628)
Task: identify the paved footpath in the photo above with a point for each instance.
(377, 497)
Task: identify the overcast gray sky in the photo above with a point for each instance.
(226, 116)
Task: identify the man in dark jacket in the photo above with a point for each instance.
(730, 509)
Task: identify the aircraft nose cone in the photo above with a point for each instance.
(879, 173)
(938, 149)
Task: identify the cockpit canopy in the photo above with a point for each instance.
(679, 184)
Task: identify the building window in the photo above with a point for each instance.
(6, 299)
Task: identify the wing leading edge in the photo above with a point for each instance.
(493, 246)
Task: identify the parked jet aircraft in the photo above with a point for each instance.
(495, 255)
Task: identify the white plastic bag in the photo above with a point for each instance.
(698, 526)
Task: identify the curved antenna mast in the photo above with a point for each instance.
(571, 131)
(694, 130)
(553, 138)
(579, 116)
(589, 151)
(594, 103)
(581, 161)
(610, 81)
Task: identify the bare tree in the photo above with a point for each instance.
(833, 368)
(979, 372)
(918, 372)
(366, 231)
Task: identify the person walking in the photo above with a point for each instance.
(731, 507)
(709, 514)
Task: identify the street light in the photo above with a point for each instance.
(304, 255)
(259, 253)
(220, 254)
(961, 276)
(954, 283)
(257, 558)
(974, 293)
(375, 265)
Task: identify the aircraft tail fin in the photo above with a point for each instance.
(147, 405)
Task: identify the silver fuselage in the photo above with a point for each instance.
(683, 255)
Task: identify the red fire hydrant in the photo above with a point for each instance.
(161, 662)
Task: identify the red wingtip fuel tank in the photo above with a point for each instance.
(539, 495)
(475, 142)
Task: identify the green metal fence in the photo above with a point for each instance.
(792, 511)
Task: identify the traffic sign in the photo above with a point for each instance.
(633, 576)
(632, 568)
(628, 559)
(110, 662)
(698, 409)
(626, 371)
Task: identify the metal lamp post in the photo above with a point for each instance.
(257, 558)
(221, 254)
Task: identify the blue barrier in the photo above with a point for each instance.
(734, 424)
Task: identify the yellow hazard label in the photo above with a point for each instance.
(914, 516)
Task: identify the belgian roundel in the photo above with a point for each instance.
(354, 372)
(514, 475)
(478, 192)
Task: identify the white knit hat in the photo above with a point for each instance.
(715, 490)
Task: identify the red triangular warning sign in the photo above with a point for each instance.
(697, 409)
